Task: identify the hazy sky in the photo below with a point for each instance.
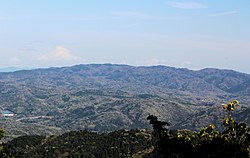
(193, 34)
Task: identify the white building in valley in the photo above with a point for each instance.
(7, 113)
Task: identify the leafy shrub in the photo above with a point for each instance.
(233, 142)
(3, 150)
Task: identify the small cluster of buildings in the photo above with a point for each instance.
(6, 113)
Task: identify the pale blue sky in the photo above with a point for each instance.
(191, 34)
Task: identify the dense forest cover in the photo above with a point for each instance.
(83, 144)
(232, 142)
(109, 97)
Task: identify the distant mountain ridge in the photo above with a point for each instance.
(106, 97)
(168, 77)
(9, 69)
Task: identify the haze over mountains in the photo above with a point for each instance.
(9, 69)
(107, 97)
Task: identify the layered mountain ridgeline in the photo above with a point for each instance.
(106, 97)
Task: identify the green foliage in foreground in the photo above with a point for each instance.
(233, 142)
(3, 150)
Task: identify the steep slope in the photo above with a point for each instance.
(227, 80)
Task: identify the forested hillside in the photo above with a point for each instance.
(106, 97)
(84, 144)
(231, 142)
